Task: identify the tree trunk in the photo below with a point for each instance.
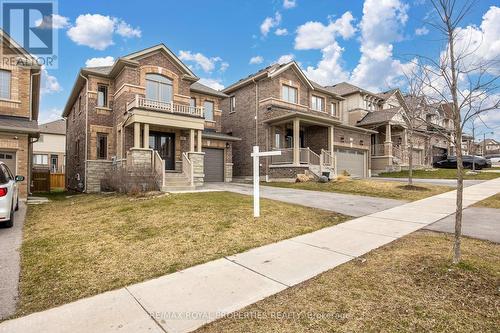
(410, 160)
(458, 212)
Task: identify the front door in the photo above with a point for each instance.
(164, 143)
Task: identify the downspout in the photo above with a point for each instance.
(86, 127)
(30, 143)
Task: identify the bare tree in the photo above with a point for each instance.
(462, 79)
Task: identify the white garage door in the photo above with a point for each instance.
(351, 160)
(9, 158)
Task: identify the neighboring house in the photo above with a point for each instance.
(50, 149)
(19, 100)
(146, 111)
(279, 108)
(489, 147)
(468, 145)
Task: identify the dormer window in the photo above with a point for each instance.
(289, 94)
(317, 103)
(159, 88)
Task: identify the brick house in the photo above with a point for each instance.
(49, 152)
(145, 111)
(19, 102)
(385, 113)
(279, 108)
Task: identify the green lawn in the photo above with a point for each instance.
(406, 286)
(439, 174)
(373, 188)
(87, 244)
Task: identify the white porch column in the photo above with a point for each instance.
(388, 135)
(137, 135)
(296, 141)
(199, 142)
(331, 139)
(191, 140)
(146, 136)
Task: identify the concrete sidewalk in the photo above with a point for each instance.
(184, 301)
(444, 182)
(347, 204)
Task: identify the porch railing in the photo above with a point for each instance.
(306, 156)
(187, 168)
(327, 159)
(169, 107)
(378, 149)
(159, 168)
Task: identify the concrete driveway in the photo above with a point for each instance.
(10, 243)
(445, 182)
(481, 223)
(347, 204)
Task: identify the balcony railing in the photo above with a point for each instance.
(306, 156)
(168, 107)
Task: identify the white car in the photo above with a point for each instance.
(9, 195)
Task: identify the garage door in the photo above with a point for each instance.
(214, 165)
(351, 160)
(9, 158)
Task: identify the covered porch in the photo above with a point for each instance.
(305, 144)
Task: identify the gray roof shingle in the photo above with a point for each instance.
(376, 117)
(198, 87)
(13, 124)
(54, 127)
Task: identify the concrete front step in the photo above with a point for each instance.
(169, 188)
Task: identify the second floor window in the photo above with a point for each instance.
(158, 88)
(333, 109)
(209, 110)
(5, 84)
(192, 102)
(102, 146)
(232, 104)
(317, 103)
(289, 94)
(102, 95)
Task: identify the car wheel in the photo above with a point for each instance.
(10, 222)
(17, 204)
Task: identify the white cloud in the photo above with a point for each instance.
(53, 21)
(49, 115)
(329, 69)
(205, 63)
(316, 35)
(49, 83)
(285, 58)
(125, 30)
(422, 31)
(269, 23)
(281, 32)
(223, 66)
(256, 60)
(481, 43)
(288, 4)
(212, 83)
(96, 31)
(381, 26)
(100, 61)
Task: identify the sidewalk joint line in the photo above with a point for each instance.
(378, 234)
(324, 248)
(149, 314)
(252, 270)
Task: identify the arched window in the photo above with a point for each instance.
(158, 88)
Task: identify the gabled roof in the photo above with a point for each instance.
(378, 117)
(18, 48)
(490, 142)
(387, 94)
(276, 69)
(54, 127)
(201, 88)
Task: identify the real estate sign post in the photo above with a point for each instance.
(256, 176)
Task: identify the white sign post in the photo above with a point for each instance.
(256, 176)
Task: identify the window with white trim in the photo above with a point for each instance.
(333, 109)
(209, 110)
(289, 94)
(102, 95)
(40, 159)
(159, 88)
(232, 103)
(317, 103)
(5, 77)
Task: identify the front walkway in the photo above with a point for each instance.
(347, 204)
(183, 301)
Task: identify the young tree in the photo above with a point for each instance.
(462, 79)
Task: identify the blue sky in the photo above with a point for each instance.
(365, 42)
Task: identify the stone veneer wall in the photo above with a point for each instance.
(198, 160)
(139, 158)
(286, 172)
(228, 177)
(96, 171)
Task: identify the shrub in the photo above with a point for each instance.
(130, 180)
